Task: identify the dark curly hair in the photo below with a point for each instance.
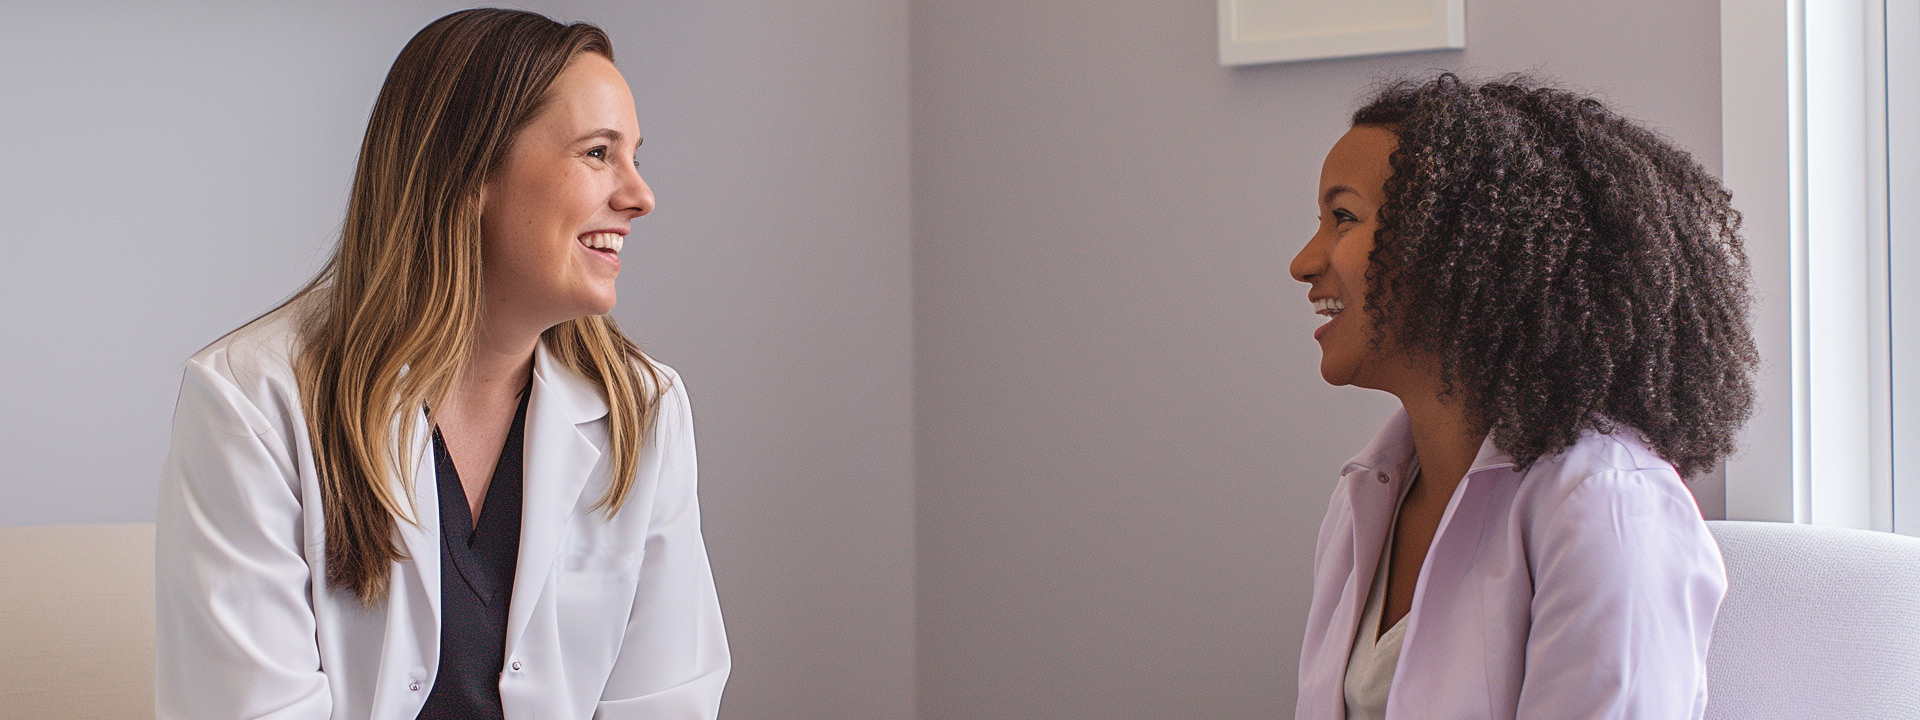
(1571, 269)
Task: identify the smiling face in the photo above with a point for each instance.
(1335, 261)
(555, 214)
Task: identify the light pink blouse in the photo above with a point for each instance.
(1585, 587)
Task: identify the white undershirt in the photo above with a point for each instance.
(1371, 664)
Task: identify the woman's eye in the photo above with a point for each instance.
(599, 153)
(1342, 216)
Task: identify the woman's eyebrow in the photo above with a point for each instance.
(1327, 197)
(609, 133)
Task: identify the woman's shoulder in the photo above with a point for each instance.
(1622, 449)
(669, 391)
(1609, 509)
(667, 381)
(265, 344)
(256, 359)
(1607, 469)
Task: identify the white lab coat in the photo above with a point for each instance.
(1584, 587)
(609, 618)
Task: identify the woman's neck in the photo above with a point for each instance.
(1444, 437)
(496, 369)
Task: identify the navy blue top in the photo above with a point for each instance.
(477, 562)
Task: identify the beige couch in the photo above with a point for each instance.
(76, 619)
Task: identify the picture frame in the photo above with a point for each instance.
(1254, 32)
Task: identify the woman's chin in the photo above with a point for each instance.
(600, 303)
(584, 308)
(1336, 372)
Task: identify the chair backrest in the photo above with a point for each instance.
(76, 620)
(1818, 623)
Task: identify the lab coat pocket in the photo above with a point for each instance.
(596, 593)
(610, 565)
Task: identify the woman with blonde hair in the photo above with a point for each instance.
(439, 481)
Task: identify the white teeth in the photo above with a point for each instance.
(609, 241)
(1328, 307)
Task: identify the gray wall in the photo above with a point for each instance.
(165, 174)
(1124, 449)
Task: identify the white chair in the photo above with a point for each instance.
(1819, 623)
(76, 621)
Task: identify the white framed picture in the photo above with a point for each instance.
(1269, 31)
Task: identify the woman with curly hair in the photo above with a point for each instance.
(1557, 296)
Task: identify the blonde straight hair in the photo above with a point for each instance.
(396, 308)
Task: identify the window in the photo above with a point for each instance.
(1903, 234)
(1809, 94)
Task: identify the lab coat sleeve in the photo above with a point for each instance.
(1627, 581)
(674, 661)
(234, 621)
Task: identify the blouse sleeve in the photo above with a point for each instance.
(674, 661)
(234, 620)
(1627, 581)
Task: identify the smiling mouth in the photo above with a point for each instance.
(1328, 307)
(605, 242)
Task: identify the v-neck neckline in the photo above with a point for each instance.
(479, 548)
(516, 430)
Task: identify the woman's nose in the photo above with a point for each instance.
(1309, 263)
(634, 194)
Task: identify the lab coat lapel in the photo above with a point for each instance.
(421, 539)
(559, 460)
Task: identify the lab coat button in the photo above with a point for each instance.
(414, 687)
(516, 664)
(1383, 478)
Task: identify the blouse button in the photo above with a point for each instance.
(1383, 478)
(414, 687)
(516, 664)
